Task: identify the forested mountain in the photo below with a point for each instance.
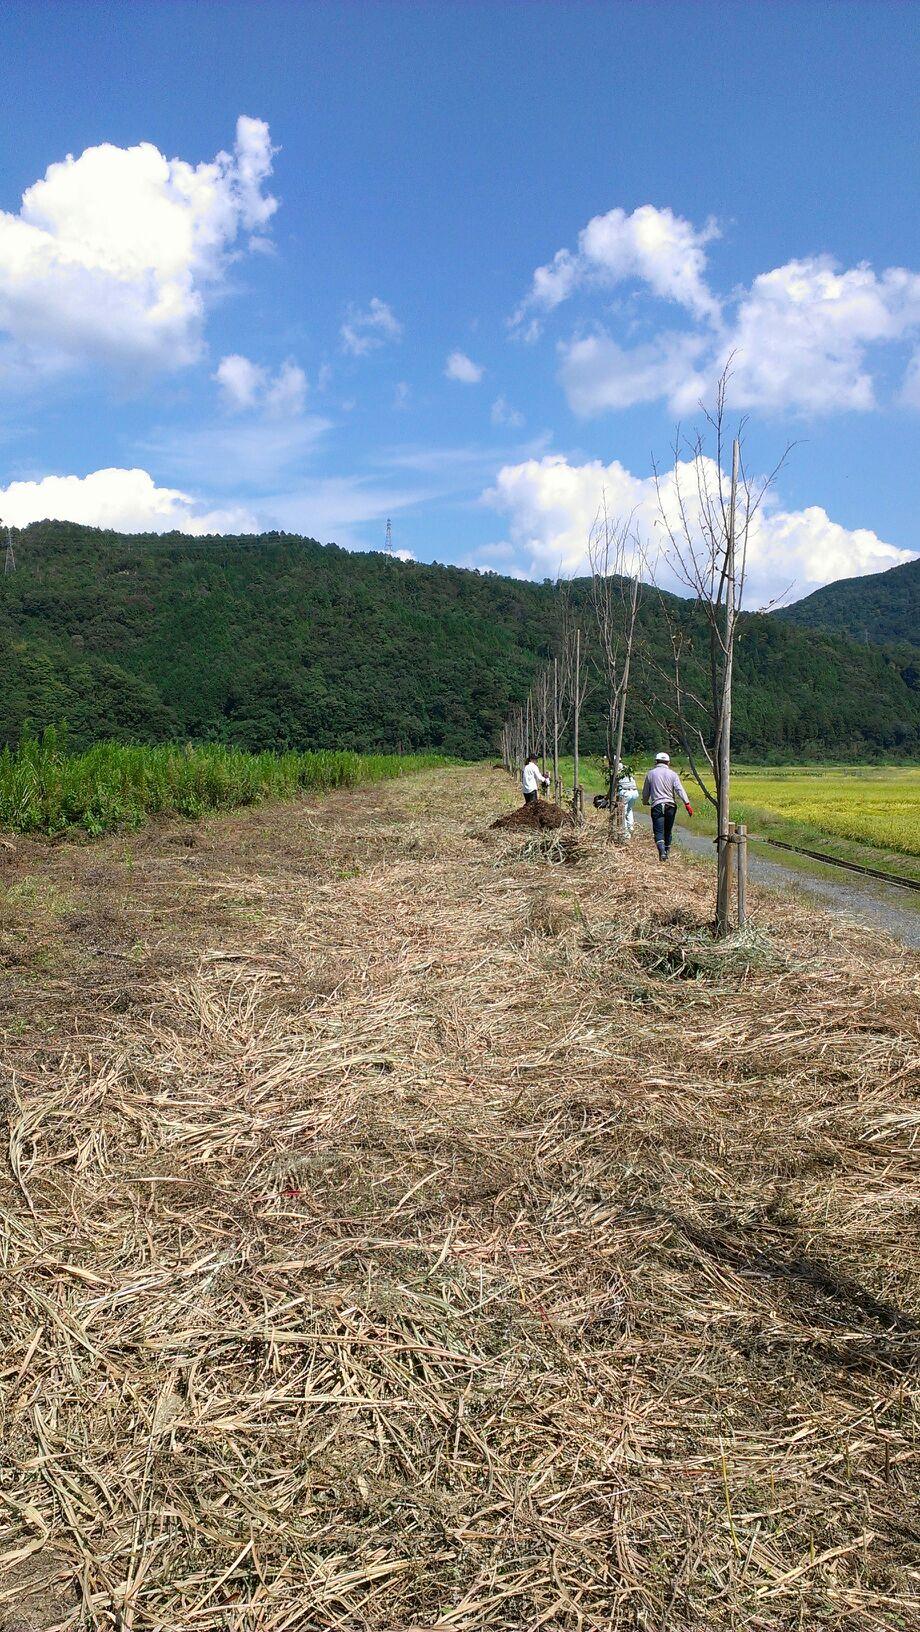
(279, 641)
(882, 607)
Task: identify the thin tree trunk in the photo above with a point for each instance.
(577, 705)
(617, 817)
(724, 755)
(556, 728)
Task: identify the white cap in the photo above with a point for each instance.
(662, 759)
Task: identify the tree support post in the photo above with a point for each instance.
(741, 838)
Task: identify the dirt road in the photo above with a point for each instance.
(402, 1230)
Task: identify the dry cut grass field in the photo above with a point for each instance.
(412, 1226)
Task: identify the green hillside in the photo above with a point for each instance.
(882, 607)
(279, 642)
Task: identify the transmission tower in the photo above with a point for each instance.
(9, 560)
(388, 546)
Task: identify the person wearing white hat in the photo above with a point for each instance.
(661, 791)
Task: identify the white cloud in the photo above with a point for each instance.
(801, 334)
(655, 247)
(247, 385)
(502, 413)
(241, 381)
(287, 392)
(552, 504)
(597, 374)
(113, 254)
(127, 501)
(365, 331)
(462, 368)
(402, 394)
(802, 338)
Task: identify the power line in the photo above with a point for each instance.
(388, 546)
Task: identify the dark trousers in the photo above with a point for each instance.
(663, 826)
(530, 798)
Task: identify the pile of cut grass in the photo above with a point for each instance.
(45, 789)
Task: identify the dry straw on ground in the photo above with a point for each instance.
(395, 1236)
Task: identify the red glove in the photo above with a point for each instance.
(689, 809)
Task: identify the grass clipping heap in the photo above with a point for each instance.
(393, 1238)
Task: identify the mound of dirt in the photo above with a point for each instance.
(538, 814)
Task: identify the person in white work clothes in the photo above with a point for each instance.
(662, 789)
(628, 792)
(532, 779)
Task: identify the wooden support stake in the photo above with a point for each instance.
(622, 830)
(741, 847)
(728, 858)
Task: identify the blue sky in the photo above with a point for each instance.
(265, 339)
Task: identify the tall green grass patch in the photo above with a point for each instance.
(46, 789)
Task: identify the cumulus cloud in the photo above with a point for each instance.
(247, 385)
(364, 331)
(551, 505)
(801, 334)
(127, 501)
(802, 337)
(113, 254)
(462, 368)
(655, 247)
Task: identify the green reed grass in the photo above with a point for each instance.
(46, 789)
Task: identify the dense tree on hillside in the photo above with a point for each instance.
(882, 607)
(280, 642)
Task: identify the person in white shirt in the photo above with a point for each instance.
(662, 789)
(532, 779)
(628, 792)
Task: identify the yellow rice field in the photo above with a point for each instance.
(879, 806)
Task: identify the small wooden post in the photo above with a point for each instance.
(729, 864)
(621, 821)
(741, 847)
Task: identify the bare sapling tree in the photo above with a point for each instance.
(573, 678)
(557, 786)
(613, 554)
(707, 518)
(542, 689)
